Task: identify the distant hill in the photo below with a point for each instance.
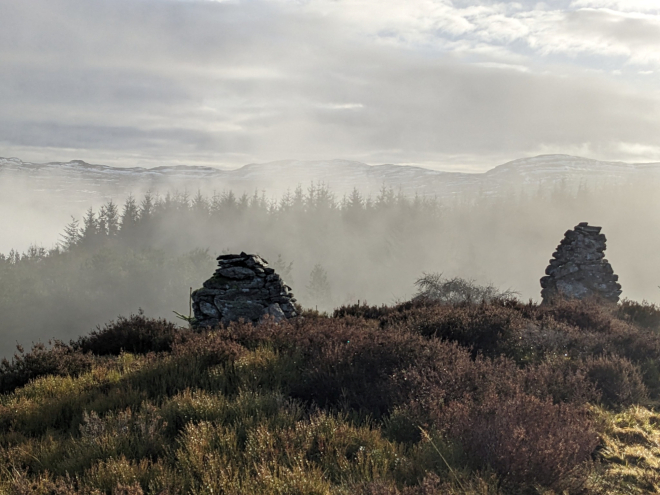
(38, 199)
(79, 181)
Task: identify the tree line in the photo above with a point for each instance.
(147, 251)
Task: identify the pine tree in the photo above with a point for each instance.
(298, 199)
(325, 200)
(146, 207)
(353, 208)
(355, 201)
(101, 223)
(129, 218)
(386, 198)
(182, 201)
(286, 202)
(111, 218)
(228, 201)
(90, 228)
(35, 252)
(14, 257)
(199, 204)
(243, 202)
(71, 236)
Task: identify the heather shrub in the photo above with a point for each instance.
(333, 362)
(21, 483)
(355, 365)
(619, 381)
(362, 311)
(525, 439)
(204, 349)
(585, 314)
(447, 373)
(204, 362)
(558, 379)
(135, 334)
(351, 366)
(333, 404)
(532, 334)
(133, 434)
(122, 476)
(402, 425)
(484, 328)
(535, 342)
(460, 484)
(642, 314)
(307, 456)
(59, 360)
(244, 411)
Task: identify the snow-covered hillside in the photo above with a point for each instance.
(78, 181)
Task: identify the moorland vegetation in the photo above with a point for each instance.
(459, 389)
(423, 397)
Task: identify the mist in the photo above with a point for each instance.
(372, 248)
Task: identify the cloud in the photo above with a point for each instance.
(586, 28)
(620, 5)
(225, 83)
(631, 37)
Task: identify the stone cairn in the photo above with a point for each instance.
(579, 269)
(243, 287)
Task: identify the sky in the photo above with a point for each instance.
(450, 85)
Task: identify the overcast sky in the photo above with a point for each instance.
(452, 85)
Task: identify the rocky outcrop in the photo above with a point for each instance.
(243, 287)
(579, 269)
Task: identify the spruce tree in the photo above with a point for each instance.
(228, 201)
(102, 223)
(71, 236)
(146, 207)
(111, 218)
(199, 204)
(129, 219)
(90, 228)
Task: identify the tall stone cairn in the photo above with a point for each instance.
(243, 287)
(579, 269)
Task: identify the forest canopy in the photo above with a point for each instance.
(147, 252)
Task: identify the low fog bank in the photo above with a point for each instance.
(30, 217)
(34, 209)
(332, 251)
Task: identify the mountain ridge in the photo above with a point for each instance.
(341, 176)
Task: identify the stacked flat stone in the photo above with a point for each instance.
(243, 287)
(579, 269)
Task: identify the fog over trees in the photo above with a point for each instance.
(147, 252)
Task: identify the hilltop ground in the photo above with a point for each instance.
(416, 399)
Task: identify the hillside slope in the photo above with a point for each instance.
(417, 399)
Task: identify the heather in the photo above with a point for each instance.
(417, 398)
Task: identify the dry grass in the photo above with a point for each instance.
(629, 452)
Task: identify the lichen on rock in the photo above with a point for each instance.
(243, 287)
